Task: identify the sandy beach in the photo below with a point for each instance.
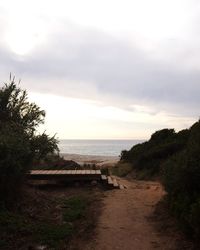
(92, 159)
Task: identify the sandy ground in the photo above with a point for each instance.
(125, 220)
(92, 159)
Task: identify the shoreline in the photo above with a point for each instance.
(98, 160)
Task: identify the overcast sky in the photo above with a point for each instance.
(105, 69)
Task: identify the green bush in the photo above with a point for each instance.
(121, 169)
(75, 208)
(149, 156)
(181, 179)
(52, 234)
(20, 144)
(176, 158)
(15, 160)
(47, 233)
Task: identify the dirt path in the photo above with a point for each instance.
(124, 223)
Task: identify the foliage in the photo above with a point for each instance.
(52, 234)
(175, 157)
(121, 169)
(75, 208)
(181, 175)
(20, 144)
(15, 160)
(15, 109)
(43, 146)
(61, 220)
(46, 233)
(149, 156)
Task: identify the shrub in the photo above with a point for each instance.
(149, 156)
(19, 142)
(75, 208)
(181, 179)
(15, 160)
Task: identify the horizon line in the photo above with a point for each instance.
(103, 139)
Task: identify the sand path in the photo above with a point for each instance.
(124, 223)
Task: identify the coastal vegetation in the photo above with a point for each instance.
(121, 169)
(20, 143)
(148, 156)
(49, 220)
(32, 217)
(45, 218)
(174, 158)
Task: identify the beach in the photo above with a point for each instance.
(92, 159)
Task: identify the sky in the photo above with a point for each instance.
(108, 69)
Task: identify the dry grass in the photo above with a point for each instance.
(52, 216)
(121, 169)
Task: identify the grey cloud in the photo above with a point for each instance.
(115, 69)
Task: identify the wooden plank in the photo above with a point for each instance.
(47, 172)
(51, 172)
(42, 172)
(110, 180)
(64, 172)
(115, 184)
(56, 172)
(34, 172)
(70, 172)
(59, 172)
(103, 177)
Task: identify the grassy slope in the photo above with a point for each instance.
(50, 218)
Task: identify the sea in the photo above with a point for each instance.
(96, 147)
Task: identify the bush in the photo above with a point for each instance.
(15, 160)
(121, 169)
(149, 156)
(20, 144)
(75, 208)
(176, 157)
(181, 179)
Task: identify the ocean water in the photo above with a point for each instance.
(96, 147)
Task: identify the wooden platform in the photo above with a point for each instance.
(109, 182)
(65, 175)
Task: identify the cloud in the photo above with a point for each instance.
(87, 63)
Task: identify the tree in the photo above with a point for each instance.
(20, 144)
